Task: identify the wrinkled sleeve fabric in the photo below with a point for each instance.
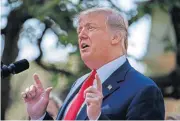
(148, 104)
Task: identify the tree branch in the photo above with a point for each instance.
(48, 68)
(3, 31)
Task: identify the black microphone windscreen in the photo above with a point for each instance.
(21, 66)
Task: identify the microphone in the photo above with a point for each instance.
(14, 68)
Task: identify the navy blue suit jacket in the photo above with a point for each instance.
(132, 97)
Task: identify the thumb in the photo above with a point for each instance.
(47, 91)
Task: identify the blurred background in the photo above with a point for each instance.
(44, 32)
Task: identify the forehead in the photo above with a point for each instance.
(94, 18)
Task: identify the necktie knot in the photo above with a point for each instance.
(89, 81)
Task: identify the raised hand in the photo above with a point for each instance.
(36, 99)
(93, 99)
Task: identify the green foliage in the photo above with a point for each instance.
(54, 80)
(58, 16)
(71, 37)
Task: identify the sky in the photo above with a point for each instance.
(138, 39)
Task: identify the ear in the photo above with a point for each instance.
(116, 38)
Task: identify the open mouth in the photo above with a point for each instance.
(84, 46)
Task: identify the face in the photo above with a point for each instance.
(94, 39)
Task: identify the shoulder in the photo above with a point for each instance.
(137, 83)
(138, 79)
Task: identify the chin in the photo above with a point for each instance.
(85, 56)
(90, 63)
(87, 60)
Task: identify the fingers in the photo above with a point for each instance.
(90, 89)
(29, 92)
(48, 90)
(32, 90)
(37, 81)
(92, 98)
(90, 101)
(23, 94)
(36, 92)
(93, 95)
(99, 84)
(90, 95)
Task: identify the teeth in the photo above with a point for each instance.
(84, 45)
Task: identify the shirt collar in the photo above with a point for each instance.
(106, 70)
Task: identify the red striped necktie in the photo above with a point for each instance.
(79, 99)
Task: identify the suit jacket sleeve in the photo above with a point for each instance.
(147, 104)
(48, 117)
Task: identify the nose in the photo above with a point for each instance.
(82, 34)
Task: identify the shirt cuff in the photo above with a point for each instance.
(41, 118)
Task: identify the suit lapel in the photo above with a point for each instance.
(113, 82)
(109, 86)
(82, 114)
(69, 97)
(77, 85)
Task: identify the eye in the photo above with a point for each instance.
(91, 28)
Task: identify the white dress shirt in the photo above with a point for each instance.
(103, 72)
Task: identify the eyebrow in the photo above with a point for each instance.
(90, 24)
(87, 24)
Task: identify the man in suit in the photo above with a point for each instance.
(117, 92)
